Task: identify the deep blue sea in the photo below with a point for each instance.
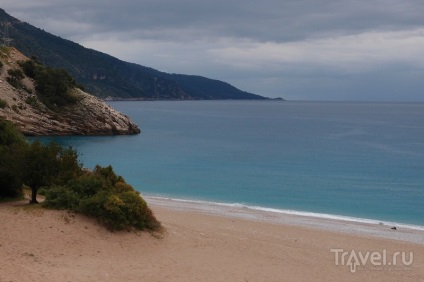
(356, 159)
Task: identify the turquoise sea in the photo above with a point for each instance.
(356, 159)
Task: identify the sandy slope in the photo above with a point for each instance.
(43, 245)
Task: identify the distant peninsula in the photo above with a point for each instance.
(107, 77)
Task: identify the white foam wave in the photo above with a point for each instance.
(216, 205)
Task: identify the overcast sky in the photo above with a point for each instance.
(295, 49)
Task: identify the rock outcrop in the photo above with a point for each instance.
(88, 116)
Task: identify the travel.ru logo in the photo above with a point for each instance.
(375, 260)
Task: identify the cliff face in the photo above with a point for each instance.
(88, 116)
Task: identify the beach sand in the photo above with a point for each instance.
(196, 245)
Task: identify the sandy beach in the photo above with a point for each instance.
(198, 244)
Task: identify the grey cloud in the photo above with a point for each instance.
(269, 20)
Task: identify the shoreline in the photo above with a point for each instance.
(326, 222)
(195, 245)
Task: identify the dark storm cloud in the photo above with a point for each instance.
(269, 20)
(298, 48)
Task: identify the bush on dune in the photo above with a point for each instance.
(61, 197)
(99, 194)
(56, 170)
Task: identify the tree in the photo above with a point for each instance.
(11, 145)
(40, 165)
(69, 166)
(9, 134)
(30, 67)
(34, 164)
(10, 180)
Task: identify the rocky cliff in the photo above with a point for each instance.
(87, 116)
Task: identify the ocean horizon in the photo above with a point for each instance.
(356, 161)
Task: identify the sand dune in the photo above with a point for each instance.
(45, 245)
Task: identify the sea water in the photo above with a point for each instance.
(354, 159)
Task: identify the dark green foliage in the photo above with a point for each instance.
(53, 87)
(15, 74)
(30, 67)
(87, 185)
(61, 197)
(48, 164)
(9, 135)
(15, 77)
(11, 144)
(56, 170)
(69, 166)
(15, 108)
(108, 174)
(136, 211)
(10, 180)
(41, 164)
(120, 210)
(32, 101)
(33, 164)
(122, 187)
(99, 194)
(3, 104)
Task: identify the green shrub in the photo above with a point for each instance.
(87, 186)
(32, 101)
(15, 74)
(69, 166)
(108, 174)
(61, 197)
(9, 135)
(105, 206)
(15, 83)
(122, 187)
(3, 104)
(30, 67)
(104, 195)
(136, 211)
(15, 77)
(120, 211)
(53, 87)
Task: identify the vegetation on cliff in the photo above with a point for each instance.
(57, 172)
(53, 86)
(42, 100)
